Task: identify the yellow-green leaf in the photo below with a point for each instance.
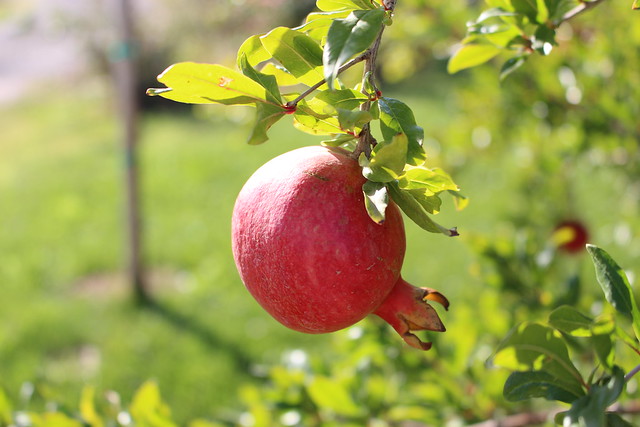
(470, 55)
(195, 83)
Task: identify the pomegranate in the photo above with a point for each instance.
(571, 236)
(310, 255)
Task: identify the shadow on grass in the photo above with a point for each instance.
(200, 331)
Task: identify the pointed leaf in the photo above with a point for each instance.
(431, 180)
(570, 321)
(470, 55)
(415, 212)
(530, 384)
(253, 50)
(532, 346)
(297, 52)
(512, 64)
(266, 81)
(194, 83)
(615, 285)
(266, 116)
(317, 24)
(282, 75)
(376, 199)
(348, 37)
(459, 200)
(396, 117)
(333, 5)
(329, 394)
(590, 410)
(387, 160)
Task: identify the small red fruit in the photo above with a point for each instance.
(308, 252)
(571, 236)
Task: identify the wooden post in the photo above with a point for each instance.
(123, 58)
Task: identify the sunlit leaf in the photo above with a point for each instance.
(266, 116)
(282, 75)
(460, 201)
(253, 50)
(148, 409)
(297, 52)
(333, 5)
(88, 408)
(570, 321)
(314, 123)
(535, 347)
(387, 160)
(268, 82)
(195, 83)
(353, 120)
(412, 208)
(422, 178)
(470, 55)
(5, 409)
(348, 37)
(396, 117)
(530, 384)
(339, 140)
(376, 199)
(317, 24)
(615, 285)
(329, 394)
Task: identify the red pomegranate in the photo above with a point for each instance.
(308, 252)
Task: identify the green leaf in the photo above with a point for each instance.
(266, 116)
(615, 285)
(5, 409)
(603, 346)
(471, 55)
(253, 50)
(432, 181)
(266, 81)
(590, 410)
(88, 408)
(530, 384)
(148, 409)
(512, 64)
(528, 8)
(309, 121)
(349, 36)
(282, 75)
(413, 209)
(327, 393)
(396, 117)
(333, 5)
(347, 99)
(317, 24)
(338, 141)
(615, 420)
(535, 347)
(297, 52)
(635, 5)
(376, 199)
(570, 321)
(431, 203)
(459, 200)
(387, 160)
(494, 12)
(194, 83)
(353, 120)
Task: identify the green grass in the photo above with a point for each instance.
(66, 316)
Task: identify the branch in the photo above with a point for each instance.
(582, 7)
(358, 59)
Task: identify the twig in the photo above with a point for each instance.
(582, 7)
(358, 59)
(631, 373)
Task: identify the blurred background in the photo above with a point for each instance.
(558, 140)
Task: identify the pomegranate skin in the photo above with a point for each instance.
(304, 245)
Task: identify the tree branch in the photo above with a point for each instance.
(582, 7)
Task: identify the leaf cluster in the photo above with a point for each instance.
(296, 71)
(539, 354)
(518, 27)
